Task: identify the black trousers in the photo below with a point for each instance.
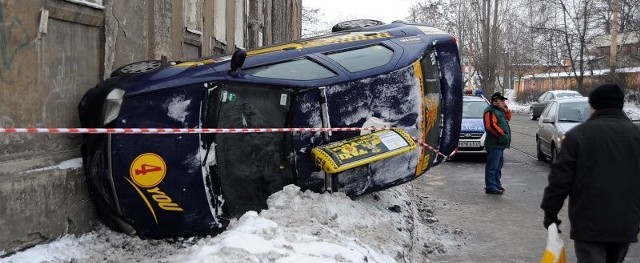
(600, 252)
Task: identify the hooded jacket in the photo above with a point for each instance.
(599, 169)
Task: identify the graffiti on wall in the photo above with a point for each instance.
(9, 29)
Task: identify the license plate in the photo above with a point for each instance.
(468, 144)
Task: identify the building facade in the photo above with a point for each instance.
(52, 51)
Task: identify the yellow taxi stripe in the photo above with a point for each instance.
(145, 200)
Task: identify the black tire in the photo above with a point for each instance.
(139, 68)
(354, 24)
(554, 154)
(540, 154)
(532, 115)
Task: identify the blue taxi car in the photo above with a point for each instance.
(400, 75)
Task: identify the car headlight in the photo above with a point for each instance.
(112, 105)
(560, 139)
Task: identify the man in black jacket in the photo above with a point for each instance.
(599, 169)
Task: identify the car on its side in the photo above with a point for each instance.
(560, 116)
(472, 131)
(537, 107)
(401, 75)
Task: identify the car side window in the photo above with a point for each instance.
(551, 96)
(301, 69)
(360, 59)
(552, 111)
(542, 97)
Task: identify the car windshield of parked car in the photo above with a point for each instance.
(363, 58)
(473, 109)
(301, 69)
(574, 112)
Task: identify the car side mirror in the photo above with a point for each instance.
(237, 60)
(547, 120)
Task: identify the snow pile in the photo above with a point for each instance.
(68, 164)
(297, 227)
(513, 105)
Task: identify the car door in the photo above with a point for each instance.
(249, 166)
(538, 107)
(547, 127)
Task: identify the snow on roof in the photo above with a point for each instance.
(599, 72)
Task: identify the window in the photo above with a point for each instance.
(574, 112)
(473, 109)
(91, 3)
(363, 58)
(192, 16)
(250, 166)
(303, 69)
(552, 111)
(238, 36)
(219, 21)
(568, 94)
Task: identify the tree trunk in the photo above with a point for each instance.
(614, 38)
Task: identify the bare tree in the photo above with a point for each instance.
(476, 23)
(311, 23)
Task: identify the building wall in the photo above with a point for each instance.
(52, 51)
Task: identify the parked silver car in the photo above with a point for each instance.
(536, 108)
(560, 116)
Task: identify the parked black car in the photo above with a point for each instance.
(537, 107)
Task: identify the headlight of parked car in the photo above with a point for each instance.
(112, 105)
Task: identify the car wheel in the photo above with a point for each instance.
(540, 154)
(353, 24)
(532, 116)
(139, 67)
(554, 154)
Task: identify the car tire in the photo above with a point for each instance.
(554, 154)
(139, 68)
(532, 115)
(540, 155)
(354, 24)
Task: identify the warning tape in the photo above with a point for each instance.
(201, 130)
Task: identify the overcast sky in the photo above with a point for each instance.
(341, 10)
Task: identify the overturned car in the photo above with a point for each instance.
(399, 75)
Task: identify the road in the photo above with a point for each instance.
(492, 228)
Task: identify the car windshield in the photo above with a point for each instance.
(568, 94)
(574, 112)
(473, 109)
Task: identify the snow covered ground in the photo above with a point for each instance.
(298, 227)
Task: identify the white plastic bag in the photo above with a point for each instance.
(554, 253)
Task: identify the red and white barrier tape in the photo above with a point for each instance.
(174, 130)
(199, 130)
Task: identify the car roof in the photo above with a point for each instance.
(563, 91)
(572, 99)
(473, 98)
(407, 40)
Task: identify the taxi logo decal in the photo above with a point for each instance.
(346, 38)
(353, 37)
(147, 171)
